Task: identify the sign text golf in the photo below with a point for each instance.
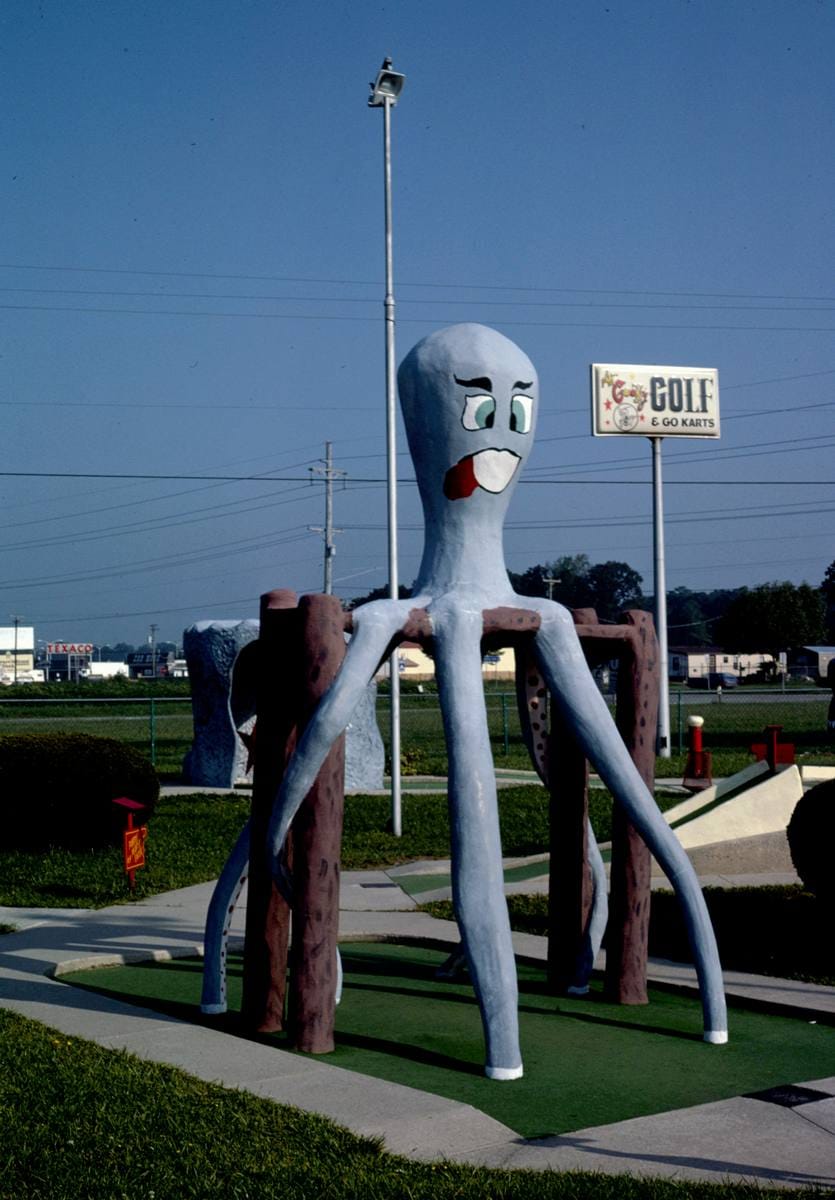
(654, 401)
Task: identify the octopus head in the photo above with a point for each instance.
(469, 398)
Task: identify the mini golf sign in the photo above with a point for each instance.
(654, 401)
(134, 848)
(133, 838)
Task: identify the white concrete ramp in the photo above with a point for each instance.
(744, 805)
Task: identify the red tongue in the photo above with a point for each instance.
(460, 481)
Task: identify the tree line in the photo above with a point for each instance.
(769, 618)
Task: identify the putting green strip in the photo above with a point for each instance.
(415, 885)
(587, 1062)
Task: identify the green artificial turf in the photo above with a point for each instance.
(415, 885)
(587, 1062)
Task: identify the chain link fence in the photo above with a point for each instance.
(159, 728)
(162, 728)
(734, 720)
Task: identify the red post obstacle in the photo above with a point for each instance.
(698, 768)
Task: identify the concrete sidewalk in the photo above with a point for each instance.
(784, 1140)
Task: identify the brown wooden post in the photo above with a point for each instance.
(267, 914)
(317, 834)
(569, 876)
(637, 720)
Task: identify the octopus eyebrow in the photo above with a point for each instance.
(482, 382)
(523, 386)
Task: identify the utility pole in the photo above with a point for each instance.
(551, 581)
(17, 621)
(330, 473)
(153, 641)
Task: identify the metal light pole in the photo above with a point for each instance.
(660, 600)
(385, 91)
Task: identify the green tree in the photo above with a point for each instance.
(379, 593)
(773, 617)
(608, 587)
(614, 587)
(686, 621)
(565, 579)
(828, 591)
(692, 617)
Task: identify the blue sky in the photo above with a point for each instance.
(192, 263)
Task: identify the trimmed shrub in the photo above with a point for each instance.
(811, 835)
(57, 789)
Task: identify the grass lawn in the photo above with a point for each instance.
(78, 1122)
(191, 836)
(398, 1023)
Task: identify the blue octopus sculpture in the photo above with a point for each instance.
(469, 397)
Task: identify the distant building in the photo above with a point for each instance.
(148, 664)
(417, 665)
(67, 661)
(700, 664)
(105, 670)
(813, 661)
(17, 652)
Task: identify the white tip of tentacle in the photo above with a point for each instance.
(716, 1037)
(504, 1072)
(576, 990)
(212, 1009)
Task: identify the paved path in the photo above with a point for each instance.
(738, 1139)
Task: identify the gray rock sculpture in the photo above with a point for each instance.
(364, 751)
(218, 757)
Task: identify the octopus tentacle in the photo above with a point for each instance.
(585, 711)
(477, 878)
(375, 626)
(218, 922)
(531, 694)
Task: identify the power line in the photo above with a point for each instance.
(747, 450)
(359, 479)
(406, 283)
(623, 522)
(167, 405)
(186, 558)
(504, 303)
(171, 312)
(154, 525)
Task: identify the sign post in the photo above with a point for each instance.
(656, 402)
(133, 839)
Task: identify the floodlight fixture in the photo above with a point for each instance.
(386, 87)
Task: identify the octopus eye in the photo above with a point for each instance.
(520, 414)
(479, 412)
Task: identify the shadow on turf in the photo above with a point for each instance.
(358, 965)
(230, 1022)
